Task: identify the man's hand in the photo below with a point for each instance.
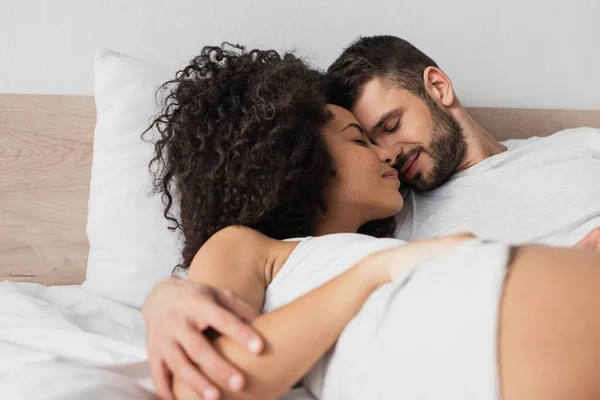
(176, 314)
(394, 261)
(590, 241)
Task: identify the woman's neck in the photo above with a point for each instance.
(339, 221)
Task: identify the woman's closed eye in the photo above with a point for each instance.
(361, 141)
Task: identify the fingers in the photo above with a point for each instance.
(184, 369)
(161, 378)
(182, 349)
(587, 243)
(463, 235)
(595, 239)
(590, 241)
(229, 325)
(201, 352)
(231, 301)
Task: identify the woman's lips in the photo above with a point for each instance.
(391, 174)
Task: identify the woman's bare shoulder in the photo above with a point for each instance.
(236, 258)
(241, 234)
(237, 248)
(233, 243)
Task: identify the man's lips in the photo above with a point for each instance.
(409, 163)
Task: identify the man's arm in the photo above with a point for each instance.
(297, 334)
(178, 313)
(194, 307)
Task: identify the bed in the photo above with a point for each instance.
(46, 317)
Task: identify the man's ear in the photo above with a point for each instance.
(439, 86)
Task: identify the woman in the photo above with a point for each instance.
(253, 156)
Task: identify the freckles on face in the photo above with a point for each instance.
(360, 182)
(356, 166)
(361, 185)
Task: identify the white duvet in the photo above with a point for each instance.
(430, 334)
(63, 342)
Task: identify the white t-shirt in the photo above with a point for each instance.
(541, 190)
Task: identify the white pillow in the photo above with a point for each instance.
(131, 249)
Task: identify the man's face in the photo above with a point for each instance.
(428, 143)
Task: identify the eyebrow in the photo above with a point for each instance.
(399, 111)
(353, 125)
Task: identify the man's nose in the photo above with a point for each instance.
(386, 156)
(395, 154)
(392, 148)
(391, 144)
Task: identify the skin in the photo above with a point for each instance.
(187, 309)
(401, 122)
(243, 261)
(542, 355)
(383, 104)
(533, 355)
(359, 192)
(297, 334)
(415, 131)
(549, 326)
(531, 345)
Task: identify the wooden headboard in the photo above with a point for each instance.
(45, 162)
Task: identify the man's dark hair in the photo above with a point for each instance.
(384, 57)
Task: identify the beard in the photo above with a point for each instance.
(447, 149)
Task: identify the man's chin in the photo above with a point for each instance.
(419, 183)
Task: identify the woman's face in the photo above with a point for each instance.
(365, 186)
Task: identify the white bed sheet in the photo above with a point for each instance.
(64, 342)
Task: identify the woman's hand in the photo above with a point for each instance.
(176, 314)
(392, 262)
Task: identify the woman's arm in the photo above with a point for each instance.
(297, 334)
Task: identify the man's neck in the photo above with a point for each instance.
(480, 143)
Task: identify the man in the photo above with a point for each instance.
(538, 190)
(461, 178)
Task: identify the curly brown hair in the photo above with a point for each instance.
(240, 143)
